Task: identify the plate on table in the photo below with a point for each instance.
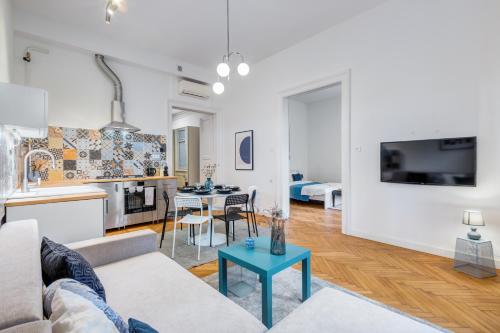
(234, 187)
(218, 187)
(187, 189)
(202, 191)
(224, 191)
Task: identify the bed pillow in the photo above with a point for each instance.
(59, 262)
(296, 177)
(73, 307)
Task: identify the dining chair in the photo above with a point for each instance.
(189, 219)
(169, 214)
(232, 209)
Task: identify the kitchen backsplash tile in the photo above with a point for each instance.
(86, 153)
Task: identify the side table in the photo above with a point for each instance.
(474, 257)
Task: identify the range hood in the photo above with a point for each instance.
(118, 122)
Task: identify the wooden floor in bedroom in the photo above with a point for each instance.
(421, 284)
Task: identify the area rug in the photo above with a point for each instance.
(186, 255)
(287, 295)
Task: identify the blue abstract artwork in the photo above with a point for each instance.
(244, 150)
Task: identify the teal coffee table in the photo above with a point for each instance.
(259, 260)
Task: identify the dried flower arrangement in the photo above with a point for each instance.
(208, 170)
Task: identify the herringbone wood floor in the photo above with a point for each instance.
(418, 283)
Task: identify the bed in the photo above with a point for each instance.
(305, 191)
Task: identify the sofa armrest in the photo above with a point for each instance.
(105, 250)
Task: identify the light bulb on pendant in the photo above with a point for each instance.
(223, 69)
(218, 87)
(243, 69)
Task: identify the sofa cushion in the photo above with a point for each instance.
(40, 326)
(74, 307)
(137, 326)
(163, 294)
(59, 262)
(20, 273)
(331, 310)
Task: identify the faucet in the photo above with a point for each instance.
(27, 167)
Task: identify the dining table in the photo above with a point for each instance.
(217, 238)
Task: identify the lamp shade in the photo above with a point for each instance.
(473, 217)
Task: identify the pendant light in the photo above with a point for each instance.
(223, 68)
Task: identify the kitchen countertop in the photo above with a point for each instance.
(54, 199)
(114, 180)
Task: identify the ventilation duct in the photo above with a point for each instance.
(118, 122)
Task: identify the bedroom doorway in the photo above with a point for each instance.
(315, 148)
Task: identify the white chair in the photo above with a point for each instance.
(191, 220)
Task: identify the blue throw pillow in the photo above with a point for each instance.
(297, 177)
(59, 262)
(72, 306)
(137, 326)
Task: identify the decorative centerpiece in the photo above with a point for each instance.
(208, 171)
(250, 243)
(277, 223)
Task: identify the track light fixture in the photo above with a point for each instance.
(112, 6)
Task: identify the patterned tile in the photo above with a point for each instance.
(58, 153)
(56, 132)
(69, 175)
(83, 153)
(69, 165)
(69, 154)
(55, 143)
(95, 154)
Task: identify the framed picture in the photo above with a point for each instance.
(243, 152)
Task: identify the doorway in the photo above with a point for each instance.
(193, 139)
(342, 81)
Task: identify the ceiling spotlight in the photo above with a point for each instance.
(218, 87)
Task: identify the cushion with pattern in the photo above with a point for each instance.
(137, 326)
(73, 307)
(59, 262)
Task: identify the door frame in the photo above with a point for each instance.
(344, 78)
(218, 133)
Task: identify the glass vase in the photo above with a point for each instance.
(278, 245)
(209, 184)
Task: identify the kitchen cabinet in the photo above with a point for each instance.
(64, 222)
(24, 109)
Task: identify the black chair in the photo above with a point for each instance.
(171, 215)
(252, 212)
(232, 210)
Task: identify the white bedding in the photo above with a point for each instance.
(319, 189)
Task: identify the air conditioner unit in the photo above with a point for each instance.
(193, 89)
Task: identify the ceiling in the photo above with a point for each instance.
(194, 30)
(318, 95)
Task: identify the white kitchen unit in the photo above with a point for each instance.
(63, 222)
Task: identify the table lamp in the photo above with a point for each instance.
(473, 218)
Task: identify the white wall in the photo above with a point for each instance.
(80, 94)
(419, 69)
(6, 44)
(324, 141)
(299, 137)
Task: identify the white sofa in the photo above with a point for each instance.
(145, 284)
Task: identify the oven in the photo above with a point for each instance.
(139, 198)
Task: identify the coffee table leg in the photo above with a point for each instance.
(306, 278)
(267, 300)
(222, 275)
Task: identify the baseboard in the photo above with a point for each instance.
(443, 252)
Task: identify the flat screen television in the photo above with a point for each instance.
(450, 161)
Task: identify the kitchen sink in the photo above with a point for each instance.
(55, 191)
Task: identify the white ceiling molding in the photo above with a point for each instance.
(47, 31)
